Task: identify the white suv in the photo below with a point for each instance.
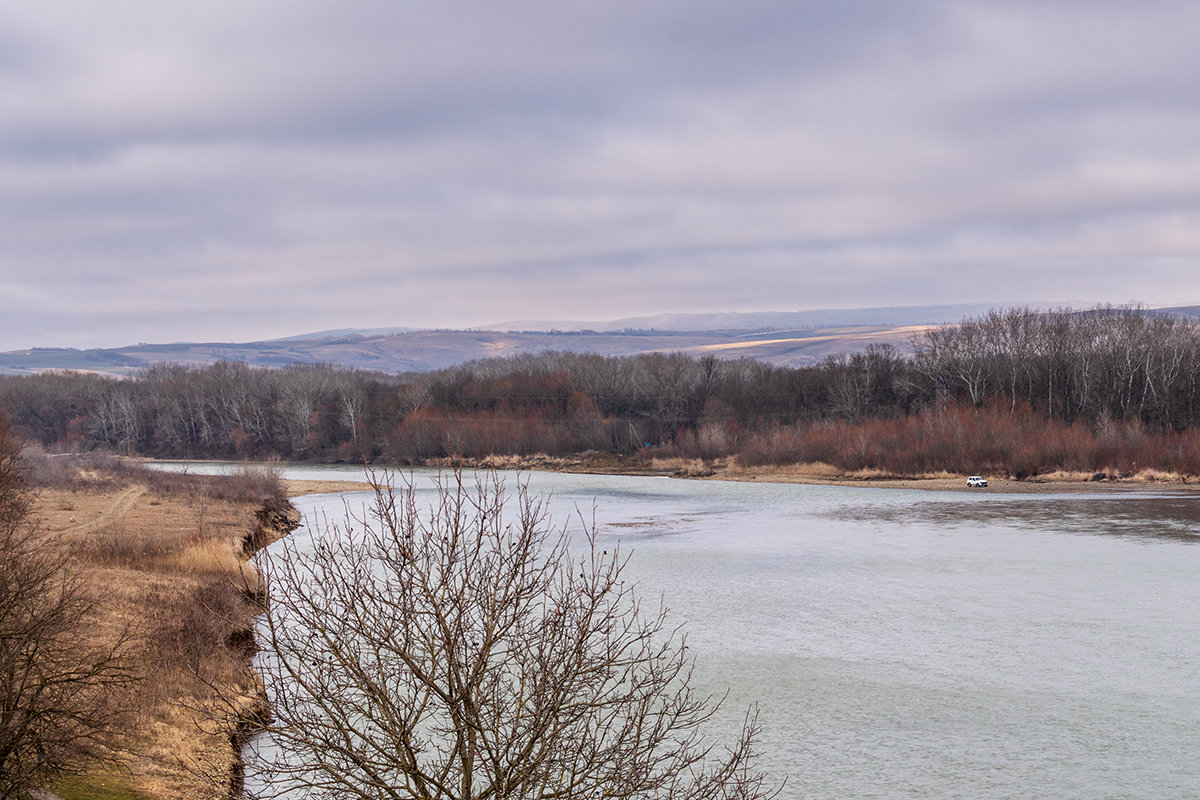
(975, 480)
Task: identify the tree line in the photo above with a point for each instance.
(1113, 373)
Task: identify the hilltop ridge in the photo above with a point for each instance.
(794, 338)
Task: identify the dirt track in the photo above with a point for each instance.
(108, 514)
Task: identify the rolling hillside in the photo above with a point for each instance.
(421, 351)
(784, 338)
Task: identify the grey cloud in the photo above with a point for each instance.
(302, 69)
(457, 163)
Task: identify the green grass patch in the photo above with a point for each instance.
(100, 787)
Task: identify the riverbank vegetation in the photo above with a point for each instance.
(1107, 391)
(143, 603)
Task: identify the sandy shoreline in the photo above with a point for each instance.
(296, 488)
(995, 485)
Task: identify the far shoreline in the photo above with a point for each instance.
(808, 475)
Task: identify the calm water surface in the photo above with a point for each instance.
(911, 644)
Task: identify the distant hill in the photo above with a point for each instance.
(785, 338)
(893, 317)
(1182, 311)
(421, 351)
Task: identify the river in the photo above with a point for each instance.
(912, 644)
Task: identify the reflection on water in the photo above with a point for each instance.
(907, 644)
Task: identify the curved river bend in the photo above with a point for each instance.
(910, 644)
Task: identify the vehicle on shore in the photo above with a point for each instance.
(976, 481)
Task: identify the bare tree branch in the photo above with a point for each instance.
(473, 650)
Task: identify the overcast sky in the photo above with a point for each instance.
(243, 170)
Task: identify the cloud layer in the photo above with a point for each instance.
(238, 171)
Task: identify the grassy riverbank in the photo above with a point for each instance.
(166, 554)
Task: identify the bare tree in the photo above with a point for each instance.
(471, 652)
(59, 681)
(352, 403)
(848, 385)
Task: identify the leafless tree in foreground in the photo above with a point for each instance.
(466, 651)
(63, 687)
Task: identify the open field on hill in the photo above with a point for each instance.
(420, 351)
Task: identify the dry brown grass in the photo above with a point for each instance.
(1158, 476)
(821, 472)
(506, 462)
(817, 470)
(685, 467)
(169, 557)
(888, 475)
(1064, 476)
(101, 472)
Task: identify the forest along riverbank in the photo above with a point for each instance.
(167, 554)
(1119, 394)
